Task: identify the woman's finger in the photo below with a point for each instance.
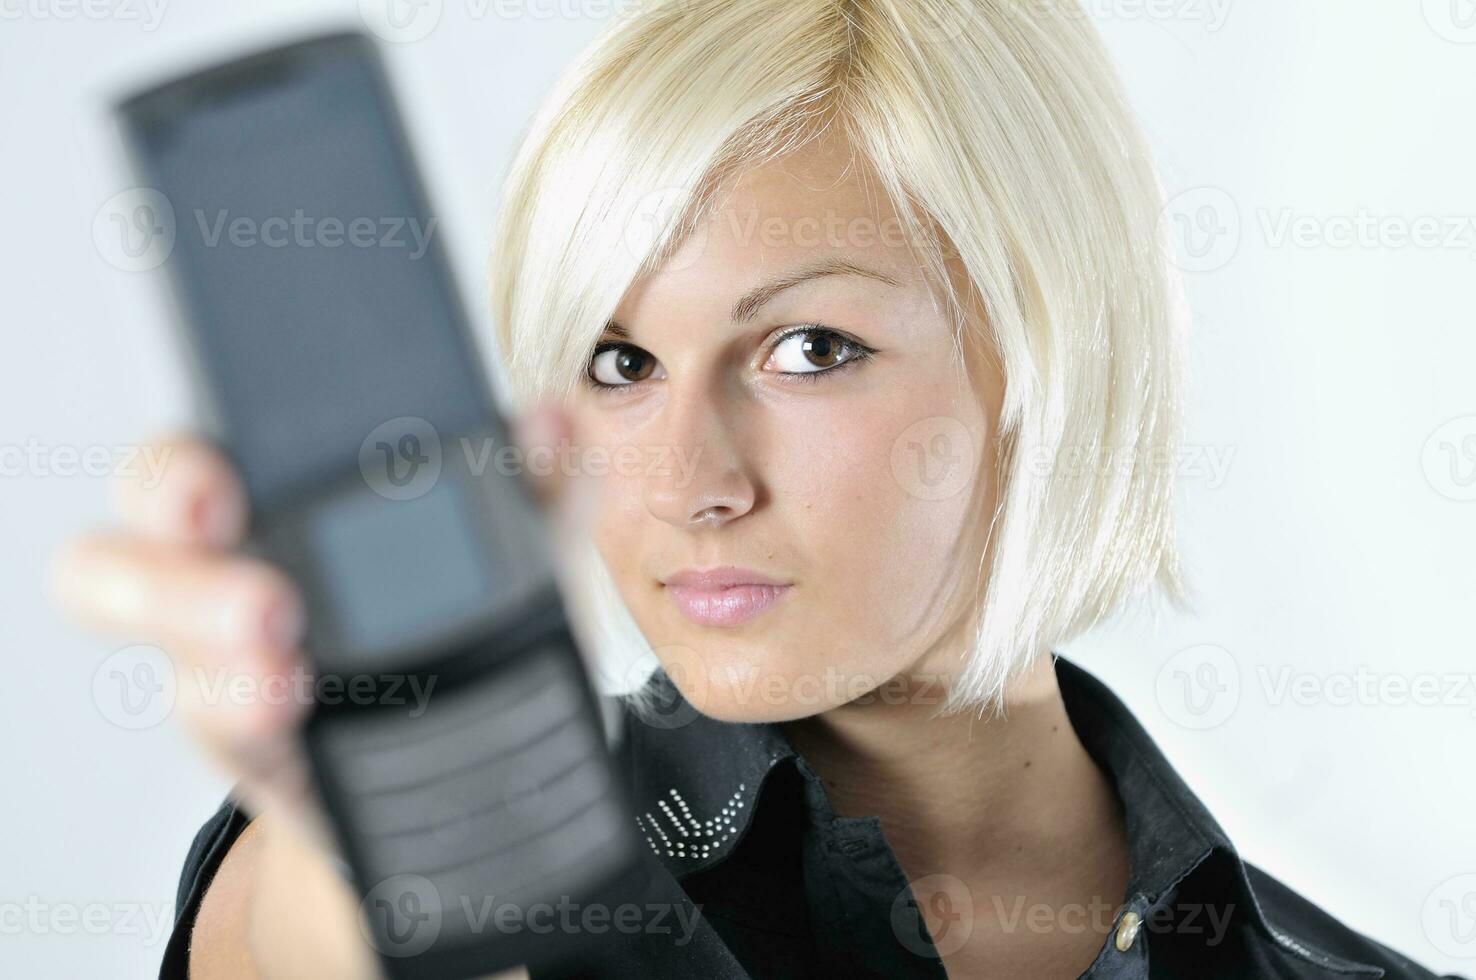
(182, 598)
(540, 432)
(194, 498)
(554, 463)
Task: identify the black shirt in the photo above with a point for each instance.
(761, 878)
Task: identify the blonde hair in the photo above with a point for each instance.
(1000, 134)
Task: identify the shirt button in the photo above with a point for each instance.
(1127, 930)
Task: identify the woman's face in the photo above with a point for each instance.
(786, 402)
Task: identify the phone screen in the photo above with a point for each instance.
(308, 261)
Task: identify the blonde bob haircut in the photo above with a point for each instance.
(999, 132)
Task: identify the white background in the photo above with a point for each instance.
(1322, 367)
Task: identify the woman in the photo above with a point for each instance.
(868, 287)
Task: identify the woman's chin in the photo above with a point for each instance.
(750, 693)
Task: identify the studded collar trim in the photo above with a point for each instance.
(696, 780)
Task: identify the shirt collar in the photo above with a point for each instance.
(1170, 832)
(696, 782)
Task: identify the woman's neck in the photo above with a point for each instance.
(989, 800)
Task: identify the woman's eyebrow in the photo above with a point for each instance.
(752, 301)
(755, 298)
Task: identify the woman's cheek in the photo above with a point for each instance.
(883, 550)
(615, 529)
(844, 515)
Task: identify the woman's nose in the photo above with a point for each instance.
(704, 479)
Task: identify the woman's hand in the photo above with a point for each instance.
(172, 575)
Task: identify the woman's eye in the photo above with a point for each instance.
(620, 365)
(804, 351)
(808, 351)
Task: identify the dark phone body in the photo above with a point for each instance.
(456, 741)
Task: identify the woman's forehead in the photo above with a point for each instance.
(825, 174)
(773, 228)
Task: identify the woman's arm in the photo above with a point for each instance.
(277, 908)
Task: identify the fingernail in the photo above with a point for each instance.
(283, 625)
(217, 518)
(541, 427)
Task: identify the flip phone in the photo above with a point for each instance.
(334, 365)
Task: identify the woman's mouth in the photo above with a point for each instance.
(724, 596)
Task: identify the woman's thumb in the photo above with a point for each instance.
(541, 433)
(553, 463)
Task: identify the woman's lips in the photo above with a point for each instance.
(724, 607)
(724, 596)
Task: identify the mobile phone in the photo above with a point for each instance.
(334, 365)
